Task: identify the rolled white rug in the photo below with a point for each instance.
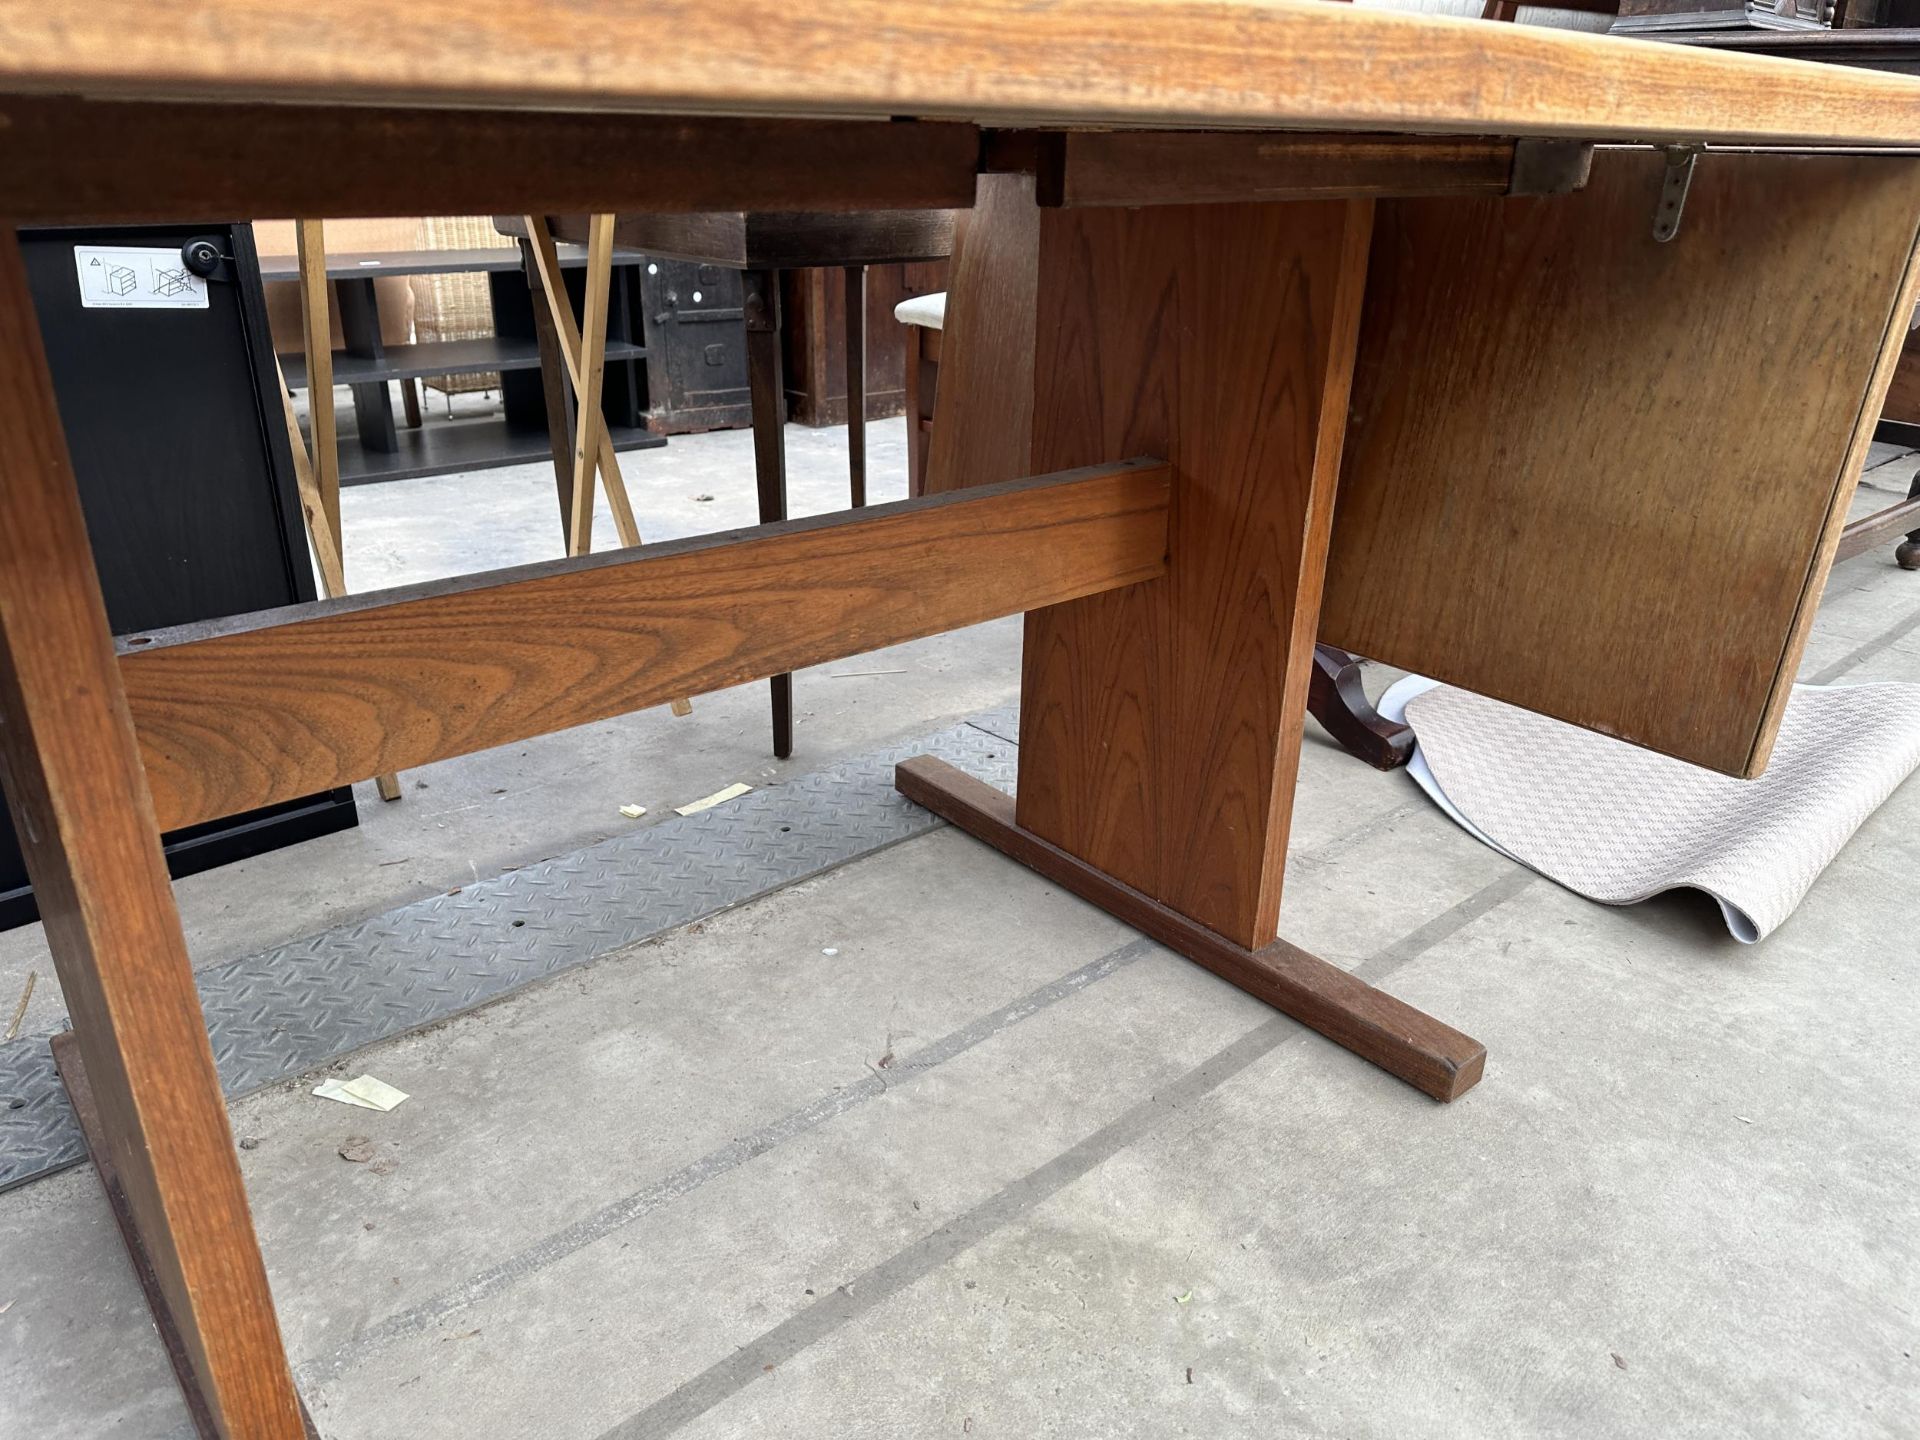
(1618, 824)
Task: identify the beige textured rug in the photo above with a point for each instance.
(1618, 824)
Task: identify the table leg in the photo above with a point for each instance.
(78, 795)
(857, 383)
(918, 411)
(1907, 553)
(767, 389)
(1161, 725)
(86, 1113)
(1339, 702)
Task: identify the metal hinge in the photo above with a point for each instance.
(1673, 190)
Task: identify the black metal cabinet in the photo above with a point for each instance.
(186, 479)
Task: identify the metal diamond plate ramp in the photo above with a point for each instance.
(301, 1005)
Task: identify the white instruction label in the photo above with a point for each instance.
(136, 277)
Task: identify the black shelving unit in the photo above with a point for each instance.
(440, 357)
(186, 478)
(378, 449)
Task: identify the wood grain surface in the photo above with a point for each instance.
(983, 409)
(1160, 725)
(238, 713)
(69, 160)
(69, 1062)
(1903, 392)
(80, 806)
(1592, 474)
(1426, 1053)
(781, 240)
(1279, 64)
(1866, 418)
(1172, 167)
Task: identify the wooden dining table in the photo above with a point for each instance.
(1225, 261)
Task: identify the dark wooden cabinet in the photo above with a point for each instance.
(695, 339)
(816, 329)
(186, 480)
(696, 342)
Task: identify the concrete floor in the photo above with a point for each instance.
(1098, 1192)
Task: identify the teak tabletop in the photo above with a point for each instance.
(1220, 259)
(1268, 64)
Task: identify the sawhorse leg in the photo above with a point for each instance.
(323, 470)
(73, 778)
(557, 330)
(1161, 725)
(1339, 702)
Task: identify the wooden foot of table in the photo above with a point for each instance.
(86, 1110)
(1431, 1056)
(1339, 702)
(71, 770)
(1160, 724)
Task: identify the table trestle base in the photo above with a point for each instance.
(1429, 1055)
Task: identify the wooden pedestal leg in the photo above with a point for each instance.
(1161, 725)
(81, 808)
(767, 390)
(1339, 702)
(857, 383)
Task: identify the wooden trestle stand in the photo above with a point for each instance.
(1166, 348)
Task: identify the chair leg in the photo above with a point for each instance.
(857, 384)
(767, 386)
(1907, 554)
(1336, 699)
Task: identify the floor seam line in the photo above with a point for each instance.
(616, 1215)
(727, 1377)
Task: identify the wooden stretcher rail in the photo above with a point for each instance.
(1077, 168)
(71, 160)
(241, 713)
(1260, 64)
